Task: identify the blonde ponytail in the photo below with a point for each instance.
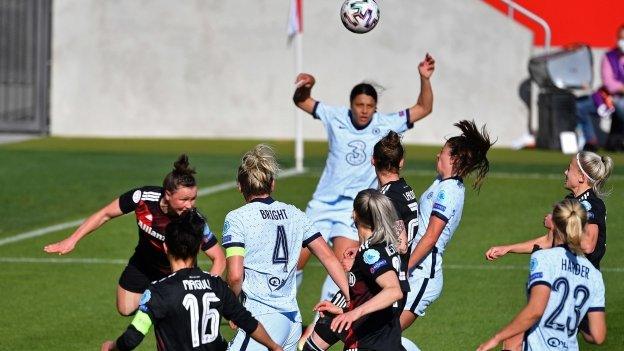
(257, 171)
(569, 217)
(596, 169)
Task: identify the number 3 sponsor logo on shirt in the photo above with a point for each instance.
(357, 156)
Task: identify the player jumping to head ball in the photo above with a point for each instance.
(186, 307)
(440, 211)
(352, 131)
(154, 208)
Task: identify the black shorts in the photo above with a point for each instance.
(137, 276)
(384, 341)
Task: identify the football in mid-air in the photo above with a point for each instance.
(359, 16)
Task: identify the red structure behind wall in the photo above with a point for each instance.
(593, 22)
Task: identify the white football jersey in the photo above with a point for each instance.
(576, 287)
(445, 200)
(269, 235)
(348, 169)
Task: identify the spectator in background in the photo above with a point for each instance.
(608, 100)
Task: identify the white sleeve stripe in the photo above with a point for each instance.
(150, 197)
(151, 193)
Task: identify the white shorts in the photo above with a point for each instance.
(333, 219)
(423, 291)
(282, 329)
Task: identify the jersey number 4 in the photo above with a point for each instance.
(280, 251)
(210, 318)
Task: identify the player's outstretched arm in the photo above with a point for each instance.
(543, 242)
(527, 317)
(216, 255)
(303, 88)
(389, 294)
(597, 331)
(321, 250)
(92, 223)
(424, 104)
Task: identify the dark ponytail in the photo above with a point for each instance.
(183, 175)
(388, 153)
(469, 151)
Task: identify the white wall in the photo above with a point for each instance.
(215, 68)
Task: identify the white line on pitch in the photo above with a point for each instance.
(119, 261)
(62, 226)
(116, 261)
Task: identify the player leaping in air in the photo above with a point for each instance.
(352, 131)
(154, 207)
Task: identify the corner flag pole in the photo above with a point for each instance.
(299, 152)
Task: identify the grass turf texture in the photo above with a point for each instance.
(71, 306)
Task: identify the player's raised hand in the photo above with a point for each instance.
(326, 306)
(233, 325)
(345, 320)
(62, 247)
(305, 80)
(495, 252)
(426, 66)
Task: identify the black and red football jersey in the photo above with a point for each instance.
(151, 223)
(406, 205)
(379, 330)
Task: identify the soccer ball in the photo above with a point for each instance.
(359, 16)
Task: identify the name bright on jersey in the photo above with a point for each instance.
(274, 214)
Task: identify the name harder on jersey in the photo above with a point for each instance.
(575, 268)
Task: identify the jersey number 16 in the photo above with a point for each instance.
(209, 316)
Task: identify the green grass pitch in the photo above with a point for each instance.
(71, 306)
